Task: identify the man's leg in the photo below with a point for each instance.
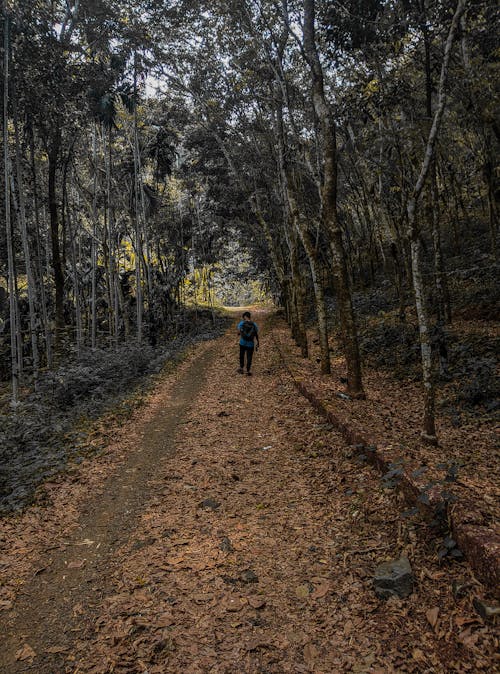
(249, 357)
(242, 359)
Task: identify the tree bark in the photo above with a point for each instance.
(329, 206)
(53, 160)
(429, 424)
(8, 224)
(138, 238)
(32, 294)
(39, 261)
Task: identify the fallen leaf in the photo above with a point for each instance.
(25, 653)
(164, 620)
(177, 559)
(321, 590)
(302, 591)
(57, 649)
(310, 654)
(468, 638)
(436, 575)
(432, 616)
(78, 564)
(5, 605)
(418, 655)
(460, 621)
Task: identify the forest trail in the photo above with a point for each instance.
(239, 535)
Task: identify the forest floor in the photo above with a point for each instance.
(226, 528)
(466, 464)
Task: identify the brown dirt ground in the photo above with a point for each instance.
(124, 570)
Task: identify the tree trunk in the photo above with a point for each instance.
(138, 240)
(53, 160)
(76, 284)
(32, 294)
(319, 296)
(329, 207)
(95, 215)
(8, 223)
(429, 426)
(39, 261)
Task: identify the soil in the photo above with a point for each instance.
(226, 528)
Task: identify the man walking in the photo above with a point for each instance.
(248, 332)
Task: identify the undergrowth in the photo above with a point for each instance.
(47, 428)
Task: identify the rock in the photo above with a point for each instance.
(249, 576)
(230, 580)
(486, 611)
(225, 545)
(233, 604)
(393, 579)
(210, 504)
(256, 602)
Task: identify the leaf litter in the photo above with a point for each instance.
(310, 547)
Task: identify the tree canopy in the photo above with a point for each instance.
(156, 150)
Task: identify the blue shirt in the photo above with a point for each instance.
(247, 342)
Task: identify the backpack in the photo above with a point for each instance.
(248, 331)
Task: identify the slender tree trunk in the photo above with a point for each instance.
(440, 279)
(95, 215)
(32, 294)
(138, 239)
(76, 283)
(39, 259)
(429, 424)
(19, 324)
(319, 296)
(112, 270)
(329, 206)
(53, 160)
(298, 288)
(8, 223)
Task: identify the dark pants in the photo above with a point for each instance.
(249, 351)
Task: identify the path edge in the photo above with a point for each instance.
(479, 544)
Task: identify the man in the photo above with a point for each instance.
(248, 332)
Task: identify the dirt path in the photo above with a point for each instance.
(240, 536)
(72, 581)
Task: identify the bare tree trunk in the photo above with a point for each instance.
(95, 215)
(429, 424)
(39, 261)
(138, 239)
(297, 285)
(32, 294)
(53, 160)
(8, 223)
(319, 295)
(329, 206)
(112, 271)
(76, 284)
